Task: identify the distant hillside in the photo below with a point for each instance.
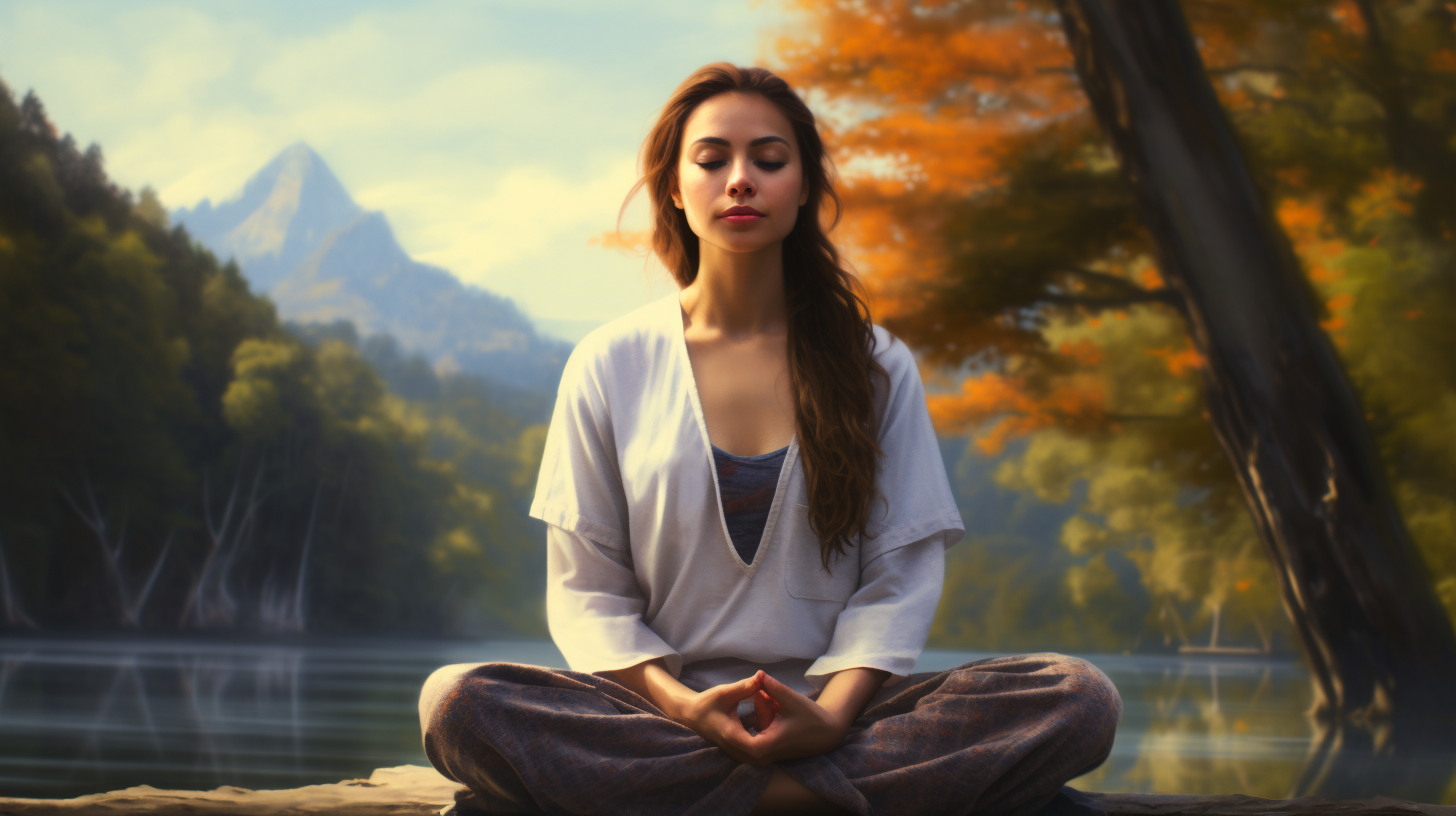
(176, 458)
(301, 239)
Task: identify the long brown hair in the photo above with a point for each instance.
(831, 341)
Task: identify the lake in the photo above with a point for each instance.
(85, 716)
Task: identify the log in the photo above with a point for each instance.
(412, 789)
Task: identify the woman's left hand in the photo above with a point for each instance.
(796, 727)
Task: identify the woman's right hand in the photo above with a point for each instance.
(713, 714)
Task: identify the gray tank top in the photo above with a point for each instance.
(747, 485)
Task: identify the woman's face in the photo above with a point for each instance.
(740, 180)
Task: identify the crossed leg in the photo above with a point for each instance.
(994, 736)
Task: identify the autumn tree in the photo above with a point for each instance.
(997, 234)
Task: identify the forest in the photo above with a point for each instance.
(176, 458)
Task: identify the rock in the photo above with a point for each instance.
(411, 789)
(407, 789)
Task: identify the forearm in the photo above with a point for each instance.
(849, 691)
(651, 679)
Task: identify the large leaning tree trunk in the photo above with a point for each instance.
(1377, 639)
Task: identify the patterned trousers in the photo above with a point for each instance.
(994, 736)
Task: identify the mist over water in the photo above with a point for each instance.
(86, 716)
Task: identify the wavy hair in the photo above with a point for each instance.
(831, 340)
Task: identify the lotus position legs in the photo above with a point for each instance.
(994, 736)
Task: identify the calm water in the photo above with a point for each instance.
(82, 717)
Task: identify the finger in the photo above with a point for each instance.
(781, 693)
(766, 745)
(742, 746)
(766, 709)
(749, 686)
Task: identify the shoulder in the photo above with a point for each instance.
(892, 353)
(618, 347)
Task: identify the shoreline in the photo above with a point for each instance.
(417, 791)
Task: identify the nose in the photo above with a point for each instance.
(740, 184)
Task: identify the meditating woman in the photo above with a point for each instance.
(747, 516)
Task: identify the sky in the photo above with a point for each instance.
(497, 137)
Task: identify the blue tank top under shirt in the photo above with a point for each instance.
(747, 485)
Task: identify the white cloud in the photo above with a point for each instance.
(497, 139)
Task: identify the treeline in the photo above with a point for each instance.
(172, 456)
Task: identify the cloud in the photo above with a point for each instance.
(498, 139)
(524, 233)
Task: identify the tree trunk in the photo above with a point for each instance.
(1377, 639)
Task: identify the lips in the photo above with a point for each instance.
(740, 211)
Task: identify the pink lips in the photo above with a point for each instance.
(740, 214)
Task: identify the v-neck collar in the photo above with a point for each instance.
(673, 307)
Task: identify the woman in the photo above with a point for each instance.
(747, 517)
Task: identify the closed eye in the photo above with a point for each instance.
(766, 165)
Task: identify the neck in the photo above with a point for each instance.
(737, 293)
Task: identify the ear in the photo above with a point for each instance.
(804, 196)
(676, 198)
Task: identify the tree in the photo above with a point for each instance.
(999, 237)
(1354, 585)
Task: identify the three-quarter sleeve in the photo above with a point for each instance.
(580, 484)
(886, 622)
(594, 606)
(918, 503)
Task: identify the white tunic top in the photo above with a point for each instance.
(640, 563)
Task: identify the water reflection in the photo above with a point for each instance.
(1215, 725)
(80, 717)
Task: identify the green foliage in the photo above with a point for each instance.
(176, 457)
(1011, 586)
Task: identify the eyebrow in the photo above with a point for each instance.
(755, 143)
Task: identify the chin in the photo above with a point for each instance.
(747, 243)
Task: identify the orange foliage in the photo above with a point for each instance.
(930, 103)
(953, 87)
(1084, 352)
(637, 242)
(1306, 223)
(1348, 16)
(1012, 409)
(1336, 321)
(1301, 219)
(1389, 193)
(1179, 361)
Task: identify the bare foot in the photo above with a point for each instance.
(784, 795)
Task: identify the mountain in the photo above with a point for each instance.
(300, 238)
